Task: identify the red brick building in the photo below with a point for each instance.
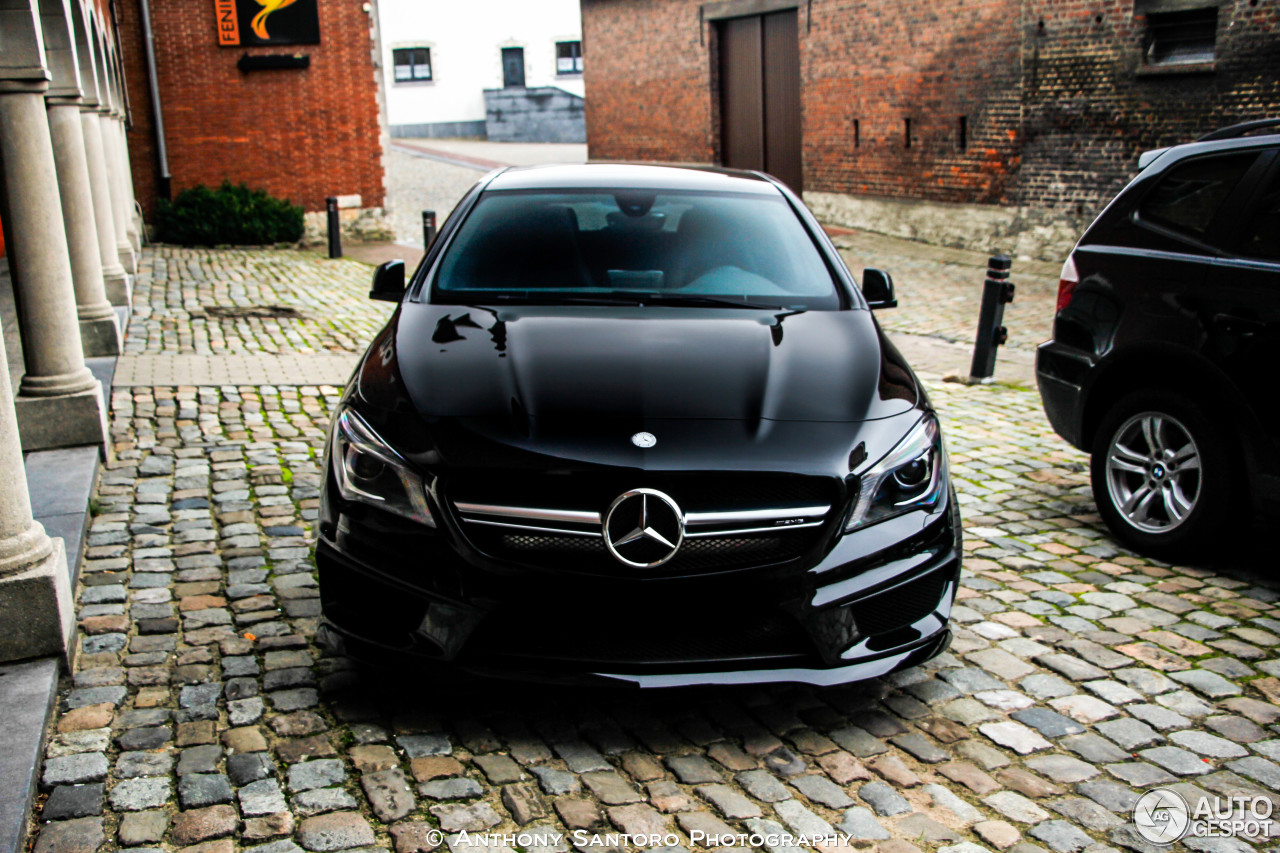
(1039, 102)
(300, 120)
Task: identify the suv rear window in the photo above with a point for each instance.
(1187, 198)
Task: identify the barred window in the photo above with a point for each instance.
(411, 63)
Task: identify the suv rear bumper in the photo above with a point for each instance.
(1060, 372)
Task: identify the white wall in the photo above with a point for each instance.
(466, 58)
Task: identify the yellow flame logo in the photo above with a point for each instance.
(259, 23)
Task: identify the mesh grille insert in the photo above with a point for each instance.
(901, 606)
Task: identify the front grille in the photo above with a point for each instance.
(702, 637)
(733, 520)
(899, 607)
(582, 553)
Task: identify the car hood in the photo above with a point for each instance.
(667, 363)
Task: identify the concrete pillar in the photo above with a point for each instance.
(35, 588)
(120, 194)
(59, 402)
(114, 276)
(99, 328)
(126, 175)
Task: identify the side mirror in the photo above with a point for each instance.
(388, 282)
(877, 288)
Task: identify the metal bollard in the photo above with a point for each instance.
(428, 228)
(997, 291)
(335, 228)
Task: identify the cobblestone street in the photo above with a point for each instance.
(203, 718)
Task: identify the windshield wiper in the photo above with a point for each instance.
(618, 297)
(561, 298)
(701, 299)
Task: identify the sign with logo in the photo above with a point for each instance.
(245, 23)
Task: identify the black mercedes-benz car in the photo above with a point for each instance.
(637, 424)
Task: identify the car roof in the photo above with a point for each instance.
(631, 176)
(1166, 156)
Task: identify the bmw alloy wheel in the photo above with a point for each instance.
(1153, 472)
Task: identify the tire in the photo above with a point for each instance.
(1162, 476)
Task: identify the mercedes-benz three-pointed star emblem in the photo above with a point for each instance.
(643, 528)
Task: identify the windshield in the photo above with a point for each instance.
(636, 247)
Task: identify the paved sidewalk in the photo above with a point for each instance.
(162, 369)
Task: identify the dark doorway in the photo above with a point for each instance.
(760, 95)
(513, 67)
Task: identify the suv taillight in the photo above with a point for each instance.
(1067, 282)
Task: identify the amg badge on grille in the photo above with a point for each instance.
(644, 439)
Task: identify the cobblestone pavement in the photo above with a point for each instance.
(250, 301)
(940, 289)
(202, 718)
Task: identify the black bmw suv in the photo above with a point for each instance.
(1165, 344)
(637, 423)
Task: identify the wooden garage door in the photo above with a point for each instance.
(760, 95)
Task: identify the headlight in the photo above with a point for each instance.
(911, 476)
(368, 471)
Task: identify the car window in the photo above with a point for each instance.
(1261, 232)
(1187, 198)
(637, 246)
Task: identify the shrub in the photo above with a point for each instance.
(230, 214)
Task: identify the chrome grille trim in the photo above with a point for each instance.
(568, 516)
(738, 531)
(755, 516)
(564, 531)
(729, 523)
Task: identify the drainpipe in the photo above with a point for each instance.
(157, 116)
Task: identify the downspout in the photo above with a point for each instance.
(157, 114)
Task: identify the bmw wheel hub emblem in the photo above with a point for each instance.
(643, 528)
(644, 439)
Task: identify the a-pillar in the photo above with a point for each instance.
(59, 402)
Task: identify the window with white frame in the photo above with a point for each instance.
(411, 64)
(568, 57)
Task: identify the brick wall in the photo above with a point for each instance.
(1090, 107)
(648, 81)
(1055, 115)
(299, 134)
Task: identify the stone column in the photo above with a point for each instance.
(114, 276)
(59, 402)
(126, 174)
(119, 192)
(35, 588)
(99, 328)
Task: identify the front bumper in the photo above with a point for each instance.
(879, 600)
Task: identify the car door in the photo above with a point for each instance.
(1244, 287)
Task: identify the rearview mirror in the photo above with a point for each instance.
(877, 288)
(388, 282)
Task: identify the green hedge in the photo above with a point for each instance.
(234, 215)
